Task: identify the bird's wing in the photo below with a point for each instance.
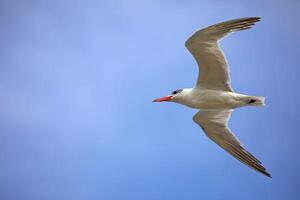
(204, 46)
(214, 124)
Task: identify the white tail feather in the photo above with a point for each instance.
(257, 101)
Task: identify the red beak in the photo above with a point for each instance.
(166, 98)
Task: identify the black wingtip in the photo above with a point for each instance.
(267, 174)
(255, 18)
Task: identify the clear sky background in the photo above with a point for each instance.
(76, 83)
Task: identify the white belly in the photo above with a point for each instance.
(213, 99)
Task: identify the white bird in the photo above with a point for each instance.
(213, 93)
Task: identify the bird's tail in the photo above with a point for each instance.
(256, 101)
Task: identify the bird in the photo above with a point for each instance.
(213, 95)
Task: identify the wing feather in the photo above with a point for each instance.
(204, 46)
(214, 124)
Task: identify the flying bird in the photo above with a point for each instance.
(213, 93)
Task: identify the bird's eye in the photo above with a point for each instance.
(176, 91)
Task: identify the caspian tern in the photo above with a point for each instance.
(213, 93)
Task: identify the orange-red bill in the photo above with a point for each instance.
(166, 98)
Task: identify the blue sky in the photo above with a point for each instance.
(76, 83)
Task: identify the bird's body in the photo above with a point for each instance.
(213, 93)
(208, 99)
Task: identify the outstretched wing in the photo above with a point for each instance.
(204, 46)
(214, 124)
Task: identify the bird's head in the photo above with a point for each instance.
(175, 96)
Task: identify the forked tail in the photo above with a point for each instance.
(256, 101)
